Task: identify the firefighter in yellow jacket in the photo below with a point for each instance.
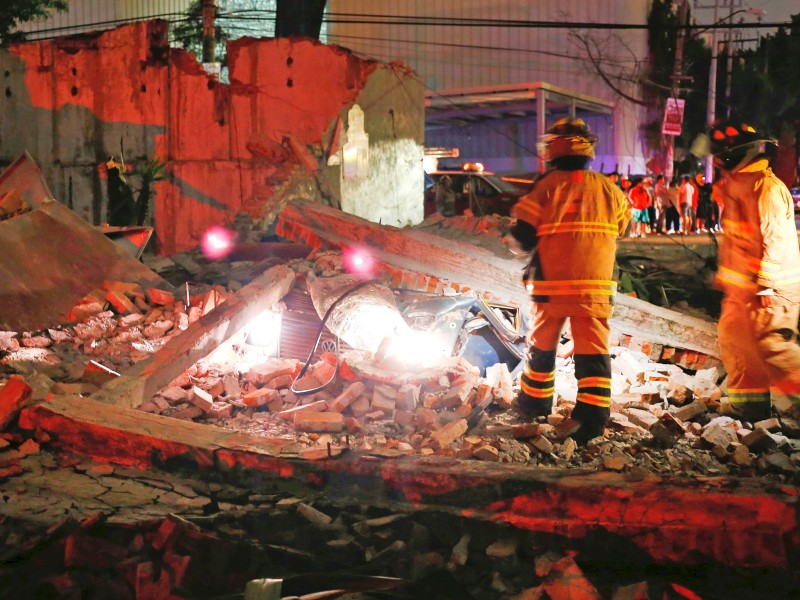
(759, 273)
(570, 222)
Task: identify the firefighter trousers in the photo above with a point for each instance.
(758, 346)
(592, 365)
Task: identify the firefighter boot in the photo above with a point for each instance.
(750, 404)
(752, 412)
(536, 383)
(592, 408)
(592, 419)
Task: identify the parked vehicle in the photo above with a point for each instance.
(477, 190)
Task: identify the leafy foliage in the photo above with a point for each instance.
(188, 32)
(765, 89)
(15, 12)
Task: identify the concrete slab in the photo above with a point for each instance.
(51, 258)
(734, 522)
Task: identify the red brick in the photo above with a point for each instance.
(319, 421)
(98, 374)
(13, 397)
(120, 302)
(317, 406)
(158, 297)
(201, 398)
(259, 397)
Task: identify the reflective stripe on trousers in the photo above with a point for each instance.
(592, 362)
(758, 346)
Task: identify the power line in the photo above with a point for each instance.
(467, 46)
(419, 21)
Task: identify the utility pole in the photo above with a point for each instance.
(209, 29)
(677, 77)
(729, 68)
(711, 110)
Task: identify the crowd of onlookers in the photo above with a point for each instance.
(682, 206)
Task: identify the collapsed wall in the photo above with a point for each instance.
(75, 101)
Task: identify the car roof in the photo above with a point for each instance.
(460, 172)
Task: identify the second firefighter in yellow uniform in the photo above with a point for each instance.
(570, 222)
(759, 273)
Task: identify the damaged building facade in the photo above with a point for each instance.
(240, 148)
(178, 457)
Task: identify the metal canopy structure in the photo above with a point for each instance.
(537, 102)
(459, 107)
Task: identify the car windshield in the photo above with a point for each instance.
(501, 184)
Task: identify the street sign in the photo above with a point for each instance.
(673, 117)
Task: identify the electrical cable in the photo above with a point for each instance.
(316, 344)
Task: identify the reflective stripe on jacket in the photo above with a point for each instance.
(760, 248)
(577, 216)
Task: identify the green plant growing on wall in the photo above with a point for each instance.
(123, 209)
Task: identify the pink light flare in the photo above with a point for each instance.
(217, 242)
(358, 261)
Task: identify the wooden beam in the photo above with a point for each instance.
(203, 336)
(479, 269)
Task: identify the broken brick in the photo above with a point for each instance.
(201, 398)
(264, 373)
(13, 397)
(98, 374)
(690, 411)
(486, 452)
(525, 431)
(319, 421)
(120, 302)
(643, 418)
(260, 397)
(382, 403)
(407, 397)
(404, 418)
(314, 406)
(759, 439)
(313, 515)
(348, 395)
(360, 406)
(446, 435)
(715, 435)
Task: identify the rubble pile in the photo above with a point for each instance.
(665, 419)
(119, 325)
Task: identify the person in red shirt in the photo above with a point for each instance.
(640, 200)
(687, 194)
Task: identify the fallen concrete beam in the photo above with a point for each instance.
(203, 336)
(478, 269)
(740, 522)
(134, 438)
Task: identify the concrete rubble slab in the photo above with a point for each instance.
(51, 259)
(672, 519)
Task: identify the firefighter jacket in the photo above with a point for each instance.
(577, 217)
(760, 248)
